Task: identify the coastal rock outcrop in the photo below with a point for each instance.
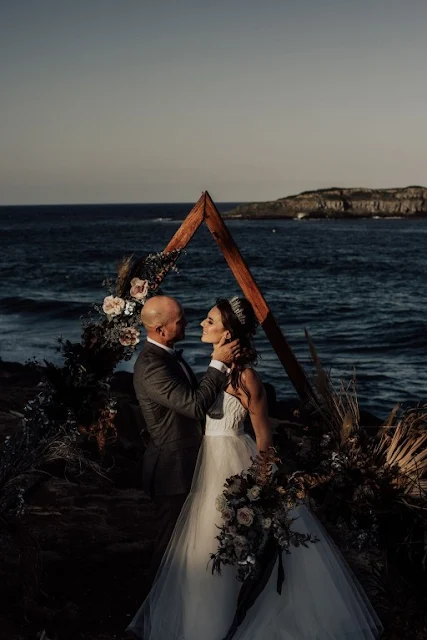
(407, 202)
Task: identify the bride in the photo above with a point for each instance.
(320, 599)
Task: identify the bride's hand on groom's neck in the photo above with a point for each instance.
(226, 352)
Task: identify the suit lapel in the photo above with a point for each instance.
(173, 362)
(190, 373)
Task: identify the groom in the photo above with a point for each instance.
(174, 406)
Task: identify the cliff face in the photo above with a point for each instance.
(340, 203)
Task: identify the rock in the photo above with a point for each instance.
(95, 543)
(91, 535)
(407, 202)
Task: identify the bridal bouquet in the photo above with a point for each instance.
(256, 529)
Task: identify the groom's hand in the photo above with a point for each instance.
(226, 352)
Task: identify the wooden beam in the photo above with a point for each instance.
(189, 227)
(252, 292)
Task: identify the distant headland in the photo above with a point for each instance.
(336, 202)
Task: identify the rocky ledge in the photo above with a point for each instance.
(407, 202)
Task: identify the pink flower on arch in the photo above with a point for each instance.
(139, 288)
(113, 306)
(129, 337)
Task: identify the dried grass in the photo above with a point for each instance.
(394, 461)
(405, 445)
(124, 269)
(337, 410)
(64, 448)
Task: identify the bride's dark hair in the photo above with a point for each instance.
(238, 317)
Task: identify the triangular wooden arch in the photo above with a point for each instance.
(205, 211)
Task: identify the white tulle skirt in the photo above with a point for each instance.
(320, 599)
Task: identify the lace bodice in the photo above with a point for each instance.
(231, 415)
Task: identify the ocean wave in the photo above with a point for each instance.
(42, 306)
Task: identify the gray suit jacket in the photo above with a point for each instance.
(174, 410)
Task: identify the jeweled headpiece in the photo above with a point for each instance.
(237, 309)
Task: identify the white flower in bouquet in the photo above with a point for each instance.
(325, 440)
(240, 552)
(245, 516)
(254, 493)
(220, 502)
(113, 306)
(129, 337)
(129, 308)
(227, 514)
(234, 487)
(240, 542)
(241, 545)
(139, 288)
(266, 523)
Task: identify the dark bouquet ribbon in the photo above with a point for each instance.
(254, 584)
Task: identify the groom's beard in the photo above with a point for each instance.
(176, 339)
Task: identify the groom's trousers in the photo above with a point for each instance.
(168, 509)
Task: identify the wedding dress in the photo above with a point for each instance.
(320, 599)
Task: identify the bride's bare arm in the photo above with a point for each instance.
(257, 406)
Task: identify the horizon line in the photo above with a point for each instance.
(133, 203)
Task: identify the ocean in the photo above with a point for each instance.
(357, 286)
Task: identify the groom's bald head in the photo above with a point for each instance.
(158, 311)
(164, 319)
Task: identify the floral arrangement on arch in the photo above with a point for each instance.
(76, 401)
(254, 507)
(116, 308)
(120, 313)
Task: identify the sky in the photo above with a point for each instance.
(106, 101)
